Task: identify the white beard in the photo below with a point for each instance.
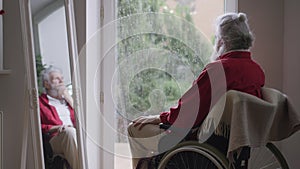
(218, 51)
(54, 91)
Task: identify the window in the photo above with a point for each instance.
(160, 47)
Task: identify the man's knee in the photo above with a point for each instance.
(70, 133)
(70, 130)
(149, 130)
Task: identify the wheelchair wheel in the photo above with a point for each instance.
(267, 157)
(193, 155)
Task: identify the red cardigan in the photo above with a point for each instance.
(241, 73)
(49, 116)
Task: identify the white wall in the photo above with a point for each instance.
(266, 21)
(291, 59)
(276, 27)
(291, 69)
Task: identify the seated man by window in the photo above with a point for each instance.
(57, 115)
(232, 42)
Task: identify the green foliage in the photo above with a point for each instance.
(151, 85)
(190, 50)
(39, 68)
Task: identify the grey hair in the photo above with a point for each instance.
(46, 72)
(233, 29)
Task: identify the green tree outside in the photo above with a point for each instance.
(155, 89)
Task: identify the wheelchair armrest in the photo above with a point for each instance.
(164, 126)
(177, 129)
(175, 134)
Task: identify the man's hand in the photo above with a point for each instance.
(67, 97)
(55, 129)
(60, 89)
(59, 129)
(141, 121)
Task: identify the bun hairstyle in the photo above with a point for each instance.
(242, 17)
(234, 31)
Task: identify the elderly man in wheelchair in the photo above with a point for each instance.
(227, 119)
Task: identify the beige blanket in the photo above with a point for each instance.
(249, 121)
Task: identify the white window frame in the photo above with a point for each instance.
(2, 70)
(231, 6)
(99, 131)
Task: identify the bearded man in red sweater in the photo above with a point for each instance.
(57, 115)
(232, 68)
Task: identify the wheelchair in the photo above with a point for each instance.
(51, 160)
(206, 148)
(191, 154)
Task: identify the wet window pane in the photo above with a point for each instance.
(162, 47)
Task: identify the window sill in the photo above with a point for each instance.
(5, 72)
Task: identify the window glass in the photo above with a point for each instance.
(53, 44)
(162, 46)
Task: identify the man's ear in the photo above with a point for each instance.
(46, 84)
(220, 42)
